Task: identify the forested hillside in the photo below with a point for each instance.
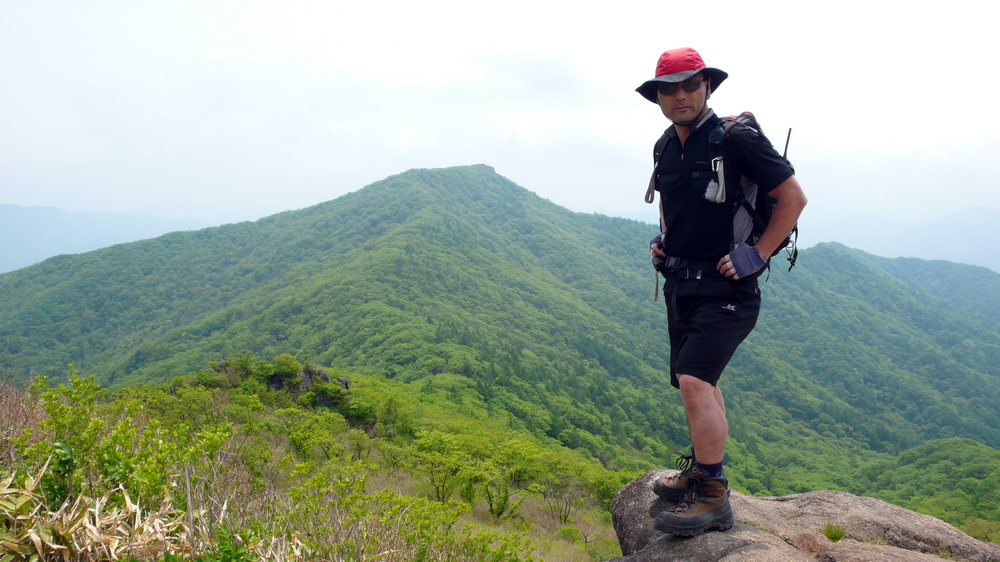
(458, 278)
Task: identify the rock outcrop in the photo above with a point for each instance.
(791, 528)
(306, 377)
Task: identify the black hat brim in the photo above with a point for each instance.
(648, 88)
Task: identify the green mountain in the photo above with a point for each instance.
(545, 315)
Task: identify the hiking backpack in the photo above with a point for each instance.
(751, 208)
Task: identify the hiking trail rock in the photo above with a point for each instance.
(790, 528)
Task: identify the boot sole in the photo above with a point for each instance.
(690, 528)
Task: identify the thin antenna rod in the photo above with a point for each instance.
(787, 138)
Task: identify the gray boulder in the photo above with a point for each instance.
(790, 528)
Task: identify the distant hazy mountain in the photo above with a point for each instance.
(29, 235)
(965, 237)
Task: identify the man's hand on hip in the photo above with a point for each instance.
(742, 262)
(656, 246)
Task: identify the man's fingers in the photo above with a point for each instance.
(728, 268)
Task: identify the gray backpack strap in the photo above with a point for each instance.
(658, 149)
(651, 191)
(743, 221)
(743, 196)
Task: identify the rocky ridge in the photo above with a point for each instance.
(791, 528)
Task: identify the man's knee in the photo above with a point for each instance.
(694, 382)
(693, 388)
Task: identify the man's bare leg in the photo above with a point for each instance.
(706, 413)
(706, 503)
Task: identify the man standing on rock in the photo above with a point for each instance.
(711, 258)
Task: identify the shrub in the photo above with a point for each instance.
(833, 532)
(570, 533)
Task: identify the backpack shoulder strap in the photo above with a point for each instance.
(717, 148)
(657, 153)
(658, 148)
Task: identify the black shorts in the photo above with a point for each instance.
(708, 319)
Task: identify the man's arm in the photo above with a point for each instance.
(790, 200)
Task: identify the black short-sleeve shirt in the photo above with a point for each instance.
(699, 229)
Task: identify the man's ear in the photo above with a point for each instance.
(708, 88)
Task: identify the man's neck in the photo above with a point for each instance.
(683, 131)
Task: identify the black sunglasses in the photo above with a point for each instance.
(690, 86)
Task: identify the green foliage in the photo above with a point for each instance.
(499, 481)
(86, 454)
(442, 462)
(231, 546)
(393, 454)
(503, 309)
(286, 364)
(327, 509)
(603, 549)
(833, 532)
(312, 433)
(957, 480)
(982, 529)
(360, 444)
(569, 533)
(68, 435)
(500, 497)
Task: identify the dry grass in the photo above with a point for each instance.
(98, 529)
(115, 525)
(20, 411)
(229, 519)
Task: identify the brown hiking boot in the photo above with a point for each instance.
(672, 488)
(705, 507)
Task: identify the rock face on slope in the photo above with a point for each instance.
(790, 528)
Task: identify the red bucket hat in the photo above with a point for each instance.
(678, 65)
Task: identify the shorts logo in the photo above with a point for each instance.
(730, 307)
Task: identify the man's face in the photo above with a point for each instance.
(683, 102)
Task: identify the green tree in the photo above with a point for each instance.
(438, 457)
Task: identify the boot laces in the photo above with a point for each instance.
(689, 500)
(692, 493)
(684, 463)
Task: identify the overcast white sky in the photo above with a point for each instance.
(234, 110)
